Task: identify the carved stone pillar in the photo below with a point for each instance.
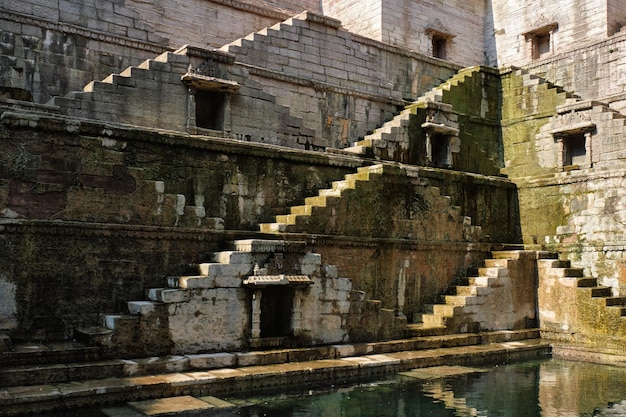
(191, 109)
(255, 332)
(296, 316)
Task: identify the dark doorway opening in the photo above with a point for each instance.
(574, 149)
(440, 151)
(210, 107)
(276, 311)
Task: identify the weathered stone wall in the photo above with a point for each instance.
(51, 48)
(593, 72)
(588, 19)
(117, 210)
(404, 24)
(475, 96)
(357, 16)
(205, 23)
(572, 309)
(126, 175)
(575, 209)
(341, 85)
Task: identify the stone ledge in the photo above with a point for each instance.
(25, 19)
(99, 129)
(317, 85)
(21, 400)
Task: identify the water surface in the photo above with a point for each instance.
(549, 388)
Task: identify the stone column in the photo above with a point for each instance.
(429, 149)
(588, 150)
(296, 316)
(560, 152)
(255, 332)
(191, 110)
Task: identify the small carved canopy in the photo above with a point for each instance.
(436, 29)
(541, 30)
(207, 83)
(272, 280)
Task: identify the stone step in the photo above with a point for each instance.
(497, 263)
(50, 353)
(567, 272)
(433, 320)
(481, 281)
(97, 367)
(615, 301)
(586, 282)
(598, 291)
(469, 290)
(345, 367)
(493, 272)
(620, 311)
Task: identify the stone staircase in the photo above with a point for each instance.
(219, 295)
(532, 94)
(331, 211)
(391, 139)
(123, 97)
(481, 302)
(577, 309)
(65, 376)
(156, 95)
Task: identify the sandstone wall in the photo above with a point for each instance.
(95, 213)
(50, 48)
(589, 20)
(206, 23)
(404, 24)
(593, 72)
(357, 16)
(341, 85)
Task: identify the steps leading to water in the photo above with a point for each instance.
(470, 304)
(219, 374)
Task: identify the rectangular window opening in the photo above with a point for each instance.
(210, 108)
(439, 47)
(441, 151)
(541, 45)
(574, 150)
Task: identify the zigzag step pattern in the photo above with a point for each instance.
(297, 221)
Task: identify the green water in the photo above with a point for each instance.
(542, 388)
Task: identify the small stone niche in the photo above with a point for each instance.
(541, 41)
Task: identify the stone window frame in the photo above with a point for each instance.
(565, 135)
(440, 42)
(539, 37)
(450, 135)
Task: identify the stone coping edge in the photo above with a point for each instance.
(23, 400)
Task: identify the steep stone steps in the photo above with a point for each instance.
(468, 305)
(392, 137)
(219, 374)
(592, 312)
(142, 76)
(174, 319)
(322, 214)
(391, 141)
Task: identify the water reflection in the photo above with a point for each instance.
(551, 388)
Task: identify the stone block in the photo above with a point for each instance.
(215, 269)
(212, 360)
(232, 257)
(167, 295)
(330, 271)
(222, 281)
(191, 282)
(141, 307)
(261, 358)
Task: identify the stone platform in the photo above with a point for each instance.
(150, 379)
